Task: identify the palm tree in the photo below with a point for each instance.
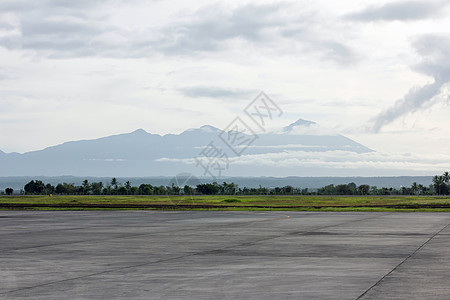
(422, 189)
(446, 177)
(86, 186)
(114, 183)
(414, 188)
(438, 181)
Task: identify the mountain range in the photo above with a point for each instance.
(140, 153)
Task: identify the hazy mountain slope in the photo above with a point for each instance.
(140, 153)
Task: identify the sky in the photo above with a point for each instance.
(375, 71)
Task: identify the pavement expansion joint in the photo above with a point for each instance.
(402, 262)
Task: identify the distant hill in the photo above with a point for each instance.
(140, 153)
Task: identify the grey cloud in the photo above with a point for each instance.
(411, 102)
(339, 52)
(63, 35)
(47, 5)
(65, 28)
(60, 29)
(56, 28)
(254, 24)
(402, 11)
(213, 92)
(335, 51)
(11, 41)
(7, 26)
(19, 6)
(434, 49)
(211, 29)
(328, 49)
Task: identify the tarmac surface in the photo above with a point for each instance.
(223, 255)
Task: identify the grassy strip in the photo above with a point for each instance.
(324, 209)
(302, 203)
(238, 200)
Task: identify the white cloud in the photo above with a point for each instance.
(375, 161)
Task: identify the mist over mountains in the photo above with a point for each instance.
(140, 153)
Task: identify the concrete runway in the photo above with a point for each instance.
(224, 255)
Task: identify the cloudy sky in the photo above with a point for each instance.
(375, 71)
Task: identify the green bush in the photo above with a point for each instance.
(231, 200)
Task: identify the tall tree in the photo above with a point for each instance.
(446, 177)
(128, 185)
(114, 183)
(414, 188)
(86, 187)
(96, 188)
(34, 187)
(363, 189)
(438, 182)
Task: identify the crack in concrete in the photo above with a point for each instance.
(401, 263)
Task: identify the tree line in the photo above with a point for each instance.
(440, 186)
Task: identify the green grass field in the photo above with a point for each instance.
(332, 203)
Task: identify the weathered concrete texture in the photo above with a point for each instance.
(224, 255)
